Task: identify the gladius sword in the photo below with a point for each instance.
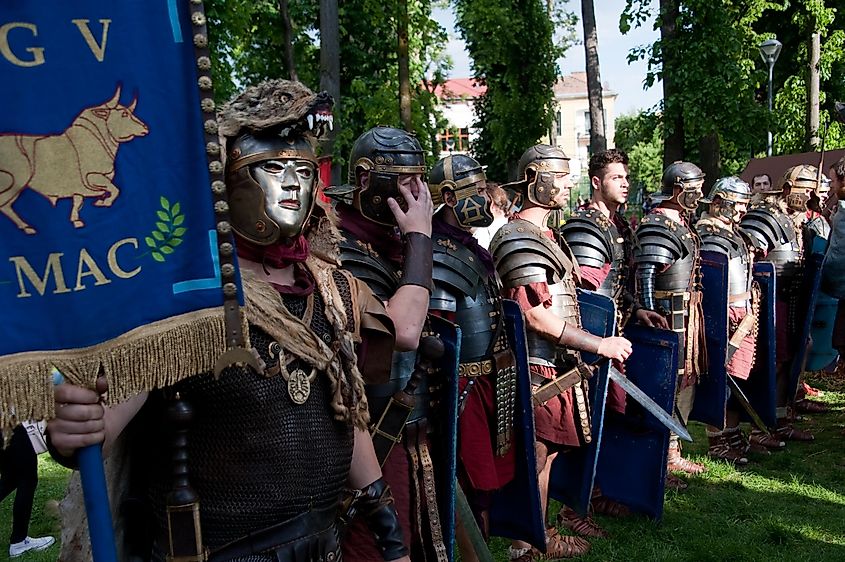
(646, 402)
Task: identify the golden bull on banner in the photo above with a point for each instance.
(116, 255)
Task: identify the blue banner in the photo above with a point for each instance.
(108, 248)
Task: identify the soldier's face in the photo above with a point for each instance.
(563, 183)
(739, 211)
(614, 184)
(760, 183)
(288, 186)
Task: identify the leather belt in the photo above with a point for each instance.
(560, 384)
(475, 368)
(739, 297)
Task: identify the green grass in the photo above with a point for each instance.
(789, 506)
(52, 481)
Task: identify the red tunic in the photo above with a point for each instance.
(555, 421)
(742, 361)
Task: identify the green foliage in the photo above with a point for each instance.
(806, 16)
(168, 232)
(640, 136)
(718, 72)
(246, 41)
(513, 53)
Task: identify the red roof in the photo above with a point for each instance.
(458, 88)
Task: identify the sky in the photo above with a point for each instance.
(623, 78)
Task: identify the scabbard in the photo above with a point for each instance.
(388, 430)
(559, 384)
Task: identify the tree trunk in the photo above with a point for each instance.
(404, 69)
(287, 38)
(598, 134)
(711, 160)
(814, 50)
(550, 7)
(330, 74)
(673, 119)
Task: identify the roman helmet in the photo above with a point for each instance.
(803, 182)
(536, 173)
(724, 196)
(383, 154)
(686, 176)
(465, 178)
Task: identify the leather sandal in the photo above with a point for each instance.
(768, 442)
(583, 526)
(788, 432)
(561, 546)
(807, 406)
(675, 483)
(606, 506)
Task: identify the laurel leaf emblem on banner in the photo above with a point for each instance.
(168, 232)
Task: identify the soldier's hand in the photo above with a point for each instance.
(417, 217)
(615, 348)
(79, 420)
(651, 319)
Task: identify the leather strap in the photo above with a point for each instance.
(431, 500)
(559, 384)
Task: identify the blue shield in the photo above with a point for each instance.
(711, 391)
(444, 419)
(761, 386)
(822, 353)
(516, 512)
(632, 461)
(805, 311)
(573, 473)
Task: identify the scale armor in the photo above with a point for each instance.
(595, 240)
(732, 243)
(255, 458)
(524, 255)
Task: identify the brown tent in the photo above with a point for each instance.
(776, 166)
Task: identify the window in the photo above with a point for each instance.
(559, 124)
(454, 140)
(587, 121)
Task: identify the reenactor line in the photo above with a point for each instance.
(420, 393)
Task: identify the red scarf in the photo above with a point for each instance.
(277, 256)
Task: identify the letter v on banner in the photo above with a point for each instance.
(100, 245)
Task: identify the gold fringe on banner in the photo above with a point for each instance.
(151, 356)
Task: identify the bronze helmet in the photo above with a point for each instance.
(247, 206)
(724, 196)
(536, 172)
(802, 181)
(385, 153)
(465, 178)
(686, 176)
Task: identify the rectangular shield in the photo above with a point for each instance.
(761, 386)
(516, 512)
(632, 459)
(711, 391)
(806, 312)
(573, 473)
(444, 419)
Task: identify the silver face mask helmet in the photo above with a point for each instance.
(686, 176)
(465, 178)
(724, 196)
(536, 173)
(271, 181)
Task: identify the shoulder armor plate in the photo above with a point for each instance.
(589, 235)
(366, 264)
(524, 254)
(455, 267)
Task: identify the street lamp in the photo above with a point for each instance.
(769, 52)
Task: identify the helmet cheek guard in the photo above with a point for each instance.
(371, 200)
(474, 211)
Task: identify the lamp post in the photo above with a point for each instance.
(769, 52)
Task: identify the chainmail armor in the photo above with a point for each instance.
(256, 458)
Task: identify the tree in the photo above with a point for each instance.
(513, 53)
(707, 58)
(330, 70)
(598, 138)
(641, 138)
